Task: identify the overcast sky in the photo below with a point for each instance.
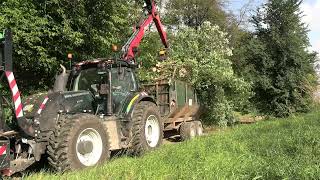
(311, 9)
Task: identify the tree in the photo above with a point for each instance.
(193, 13)
(201, 57)
(98, 23)
(45, 31)
(31, 34)
(277, 60)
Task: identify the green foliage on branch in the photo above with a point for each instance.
(45, 31)
(201, 57)
(276, 60)
(193, 13)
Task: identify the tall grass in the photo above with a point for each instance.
(274, 149)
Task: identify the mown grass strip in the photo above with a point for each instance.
(275, 149)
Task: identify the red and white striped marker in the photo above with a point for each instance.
(43, 105)
(15, 94)
(3, 150)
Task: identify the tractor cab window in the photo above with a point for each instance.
(123, 84)
(86, 80)
(122, 80)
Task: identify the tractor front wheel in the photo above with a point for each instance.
(78, 141)
(147, 128)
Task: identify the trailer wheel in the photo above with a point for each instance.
(199, 128)
(188, 131)
(147, 128)
(78, 141)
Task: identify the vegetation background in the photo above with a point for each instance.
(265, 69)
(259, 66)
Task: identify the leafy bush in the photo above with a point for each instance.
(276, 60)
(45, 31)
(201, 57)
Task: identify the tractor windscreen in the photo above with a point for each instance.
(87, 79)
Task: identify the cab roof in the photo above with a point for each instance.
(109, 62)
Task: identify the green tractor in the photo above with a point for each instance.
(94, 109)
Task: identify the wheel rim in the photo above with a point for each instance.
(89, 147)
(152, 131)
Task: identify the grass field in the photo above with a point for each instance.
(274, 149)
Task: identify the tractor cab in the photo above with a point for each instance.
(110, 82)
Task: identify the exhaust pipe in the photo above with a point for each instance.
(64, 70)
(61, 80)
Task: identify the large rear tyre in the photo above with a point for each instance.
(147, 128)
(78, 142)
(188, 131)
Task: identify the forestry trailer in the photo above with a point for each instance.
(93, 109)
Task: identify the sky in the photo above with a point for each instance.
(310, 8)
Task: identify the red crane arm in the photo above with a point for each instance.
(135, 39)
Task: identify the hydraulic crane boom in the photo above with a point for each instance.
(134, 41)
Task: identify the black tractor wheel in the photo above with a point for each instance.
(199, 128)
(78, 142)
(147, 128)
(188, 130)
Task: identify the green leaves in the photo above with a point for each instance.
(45, 31)
(193, 13)
(201, 57)
(277, 61)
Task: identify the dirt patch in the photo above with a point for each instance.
(173, 137)
(248, 119)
